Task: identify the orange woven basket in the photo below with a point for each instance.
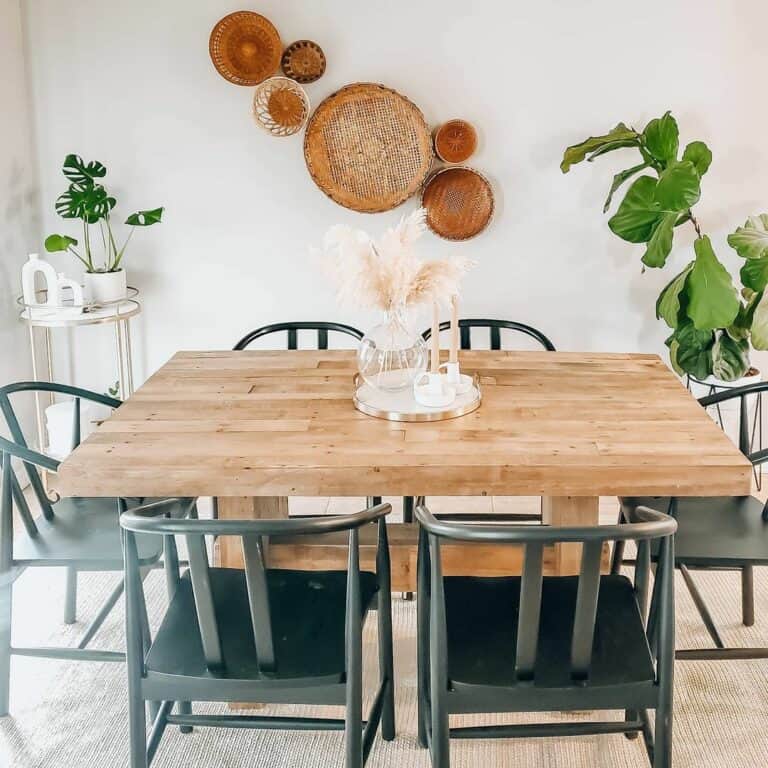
(368, 148)
(459, 203)
(455, 141)
(245, 48)
(303, 61)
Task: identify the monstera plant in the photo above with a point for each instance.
(87, 199)
(711, 322)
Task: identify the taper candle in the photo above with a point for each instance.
(453, 355)
(435, 357)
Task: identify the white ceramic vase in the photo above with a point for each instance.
(105, 287)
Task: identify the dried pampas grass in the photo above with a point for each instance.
(386, 273)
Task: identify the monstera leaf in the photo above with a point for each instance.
(730, 359)
(80, 172)
(639, 212)
(661, 138)
(698, 153)
(751, 240)
(668, 304)
(87, 202)
(145, 218)
(55, 243)
(712, 299)
(618, 137)
(679, 187)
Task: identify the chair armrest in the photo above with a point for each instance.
(29, 456)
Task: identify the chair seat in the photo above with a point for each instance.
(715, 531)
(308, 618)
(482, 616)
(85, 532)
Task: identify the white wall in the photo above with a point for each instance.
(19, 225)
(131, 84)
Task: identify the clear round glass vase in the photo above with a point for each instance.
(391, 355)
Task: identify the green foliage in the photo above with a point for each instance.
(711, 325)
(88, 200)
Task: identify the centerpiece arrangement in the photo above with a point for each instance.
(711, 322)
(387, 275)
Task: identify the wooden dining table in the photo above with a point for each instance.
(253, 428)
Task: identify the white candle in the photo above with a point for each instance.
(435, 358)
(454, 351)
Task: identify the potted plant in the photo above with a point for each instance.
(87, 199)
(712, 323)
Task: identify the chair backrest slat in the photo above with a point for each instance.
(76, 431)
(258, 600)
(321, 328)
(530, 611)
(586, 609)
(204, 601)
(495, 337)
(465, 337)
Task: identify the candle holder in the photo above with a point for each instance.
(431, 390)
(453, 377)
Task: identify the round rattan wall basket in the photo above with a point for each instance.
(459, 203)
(245, 48)
(303, 61)
(368, 148)
(455, 141)
(280, 106)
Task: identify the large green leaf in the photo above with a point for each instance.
(751, 240)
(611, 146)
(80, 172)
(576, 153)
(759, 335)
(754, 273)
(739, 329)
(698, 153)
(679, 187)
(638, 213)
(730, 359)
(668, 303)
(712, 299)
(661, 138)
(660, 244)
(145, 218)
(54, 243)
(619, 179)
(691, 350)
(89, 202)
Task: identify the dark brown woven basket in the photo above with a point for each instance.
(459, 203)
(303, 61)
(368, 148)
(455, 141)
(245, 48)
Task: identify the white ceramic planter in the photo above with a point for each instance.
(103, 287)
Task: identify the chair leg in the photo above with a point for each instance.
(6, 602)
(662, 746)
(631, 715)
(70, 598)
(618, 551)
(185, 708)
(747, 596)
(137, 730)
(387, 665)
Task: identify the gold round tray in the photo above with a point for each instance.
(401, 406)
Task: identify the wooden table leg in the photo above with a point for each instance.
(569, 511)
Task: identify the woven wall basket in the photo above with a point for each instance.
(368, 148)
(245, 48)
(303, 61)
(280, 106)
(455, 141)
(459, 203)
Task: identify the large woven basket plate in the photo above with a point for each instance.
(368, 148)
(245, 48)
(459, 203)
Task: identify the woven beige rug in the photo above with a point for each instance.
(68, 715)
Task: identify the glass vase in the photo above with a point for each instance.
(391, 355)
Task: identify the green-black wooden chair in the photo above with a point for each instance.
(716, 533)
(259, 634)
(78, 534)
(539, 643)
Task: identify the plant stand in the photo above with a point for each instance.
(40, 322)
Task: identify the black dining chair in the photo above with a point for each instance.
(292, 329)
(716, 533)
(538, 643)
(78, 534)
(495, 327)
(266, 635)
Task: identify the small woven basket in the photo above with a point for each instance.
(455, 141)
(459, 203)
(303, 61)
(280, 106)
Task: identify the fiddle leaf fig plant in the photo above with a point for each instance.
(88, 200)
(712, 324)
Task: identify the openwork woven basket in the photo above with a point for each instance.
(245, 48)
(280, 106)
(455, 141)
(459, 203)
(303, 61)
(368, 148)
